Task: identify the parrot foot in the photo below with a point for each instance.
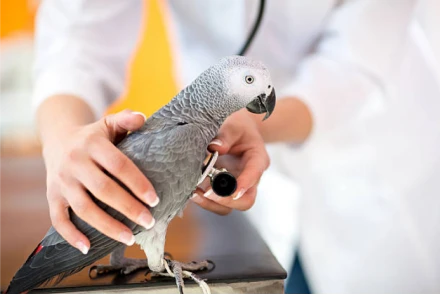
(180, 271)
(119, 263)
(126, 266)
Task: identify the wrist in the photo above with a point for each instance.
(291, 121)
(59, 115)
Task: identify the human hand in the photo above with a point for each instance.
(75, 164)
(243, 153)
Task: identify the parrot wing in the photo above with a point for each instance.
(55, 258)
(170, 154)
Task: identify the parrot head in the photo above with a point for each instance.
(249, 82)
(238, 82)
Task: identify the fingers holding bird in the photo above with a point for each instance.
(208, 204)
(242, 153)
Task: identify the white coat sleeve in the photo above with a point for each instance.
(83, 48)
(358, 50)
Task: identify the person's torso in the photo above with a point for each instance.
(202, 32)
(370, 206)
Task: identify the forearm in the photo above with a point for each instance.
(59, 113)
(291, 121)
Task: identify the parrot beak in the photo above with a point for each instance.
(263, 104)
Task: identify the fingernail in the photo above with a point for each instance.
(216, 142)
(194, 195)
(139, 113)
(240, 194)
(127, 238)
(146, 220)
(155, 202)
(196, 199)
(208, 193)
(151, 199)
(82, 247)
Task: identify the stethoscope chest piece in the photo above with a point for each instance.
(223, 183)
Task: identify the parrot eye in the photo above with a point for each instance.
(249, 79)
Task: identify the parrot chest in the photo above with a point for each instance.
(172, 160)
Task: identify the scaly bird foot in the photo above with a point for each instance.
(125, 266)
(119, 263)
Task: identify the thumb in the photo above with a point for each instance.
(119, 124)
(223, 142)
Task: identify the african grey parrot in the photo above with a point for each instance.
(169, 149)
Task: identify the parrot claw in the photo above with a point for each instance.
(198, 266)
(131, 268)
(102, 270)
(121, 264)
(118, 263)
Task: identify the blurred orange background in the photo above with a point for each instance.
(150, 82)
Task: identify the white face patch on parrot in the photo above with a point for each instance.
(247, 83)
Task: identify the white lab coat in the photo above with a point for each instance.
(370, 211)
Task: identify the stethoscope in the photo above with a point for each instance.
(254, 29)
(223, 183)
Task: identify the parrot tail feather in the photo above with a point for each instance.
(54, 263)
(16, 287)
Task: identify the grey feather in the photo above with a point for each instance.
(169, 149)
